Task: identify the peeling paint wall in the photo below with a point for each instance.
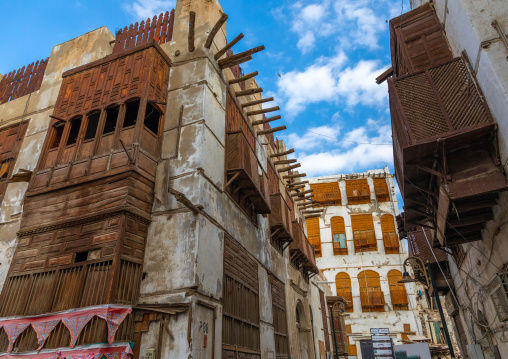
(354, 263)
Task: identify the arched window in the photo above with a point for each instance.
(314, 235)
(390, 238)
(343, 285)
(372, 297)
(397, 290)
(300, 315)
(338, 235)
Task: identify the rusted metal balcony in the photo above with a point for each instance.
(372, 299)
(445, 151)
(301, 252)
(280, 218)
(244, 181)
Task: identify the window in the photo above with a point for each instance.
(74, 131)
(91, 128)
(56, 137)
(351, 347)
(358, 191)
(343, 285)
(327, 193)
(338, 235)
(363, 233)
(498, 289)
(314, 234)
(381, 189)
(407, 331)
(371, 295)
(111, 119)
(4, 169)
(131, 113)
(325, 320)
(397, 291)
(152, 117)
(390, 237)
(280, 326)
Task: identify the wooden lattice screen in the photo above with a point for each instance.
(280, 326)
(22, 82)
(358, 191)
(160, 30)
(381, 189)
(390, 238)
(363, 232)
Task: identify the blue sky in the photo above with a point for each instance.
(320, 64)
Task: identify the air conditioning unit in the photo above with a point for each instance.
(498, 290)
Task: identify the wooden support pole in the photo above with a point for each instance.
(224, 62)
(285, 169)
(192, 22)
(249, 92)
(215, 30)
(180, 197)
(271, 130)
(228, 46)
(301, 193)
(243, 78)
(257, 102)
(284, 162)
(265, 120)
(263, 110)
(282, 153)
(235, 62)
(294, 176)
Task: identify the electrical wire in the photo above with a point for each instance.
(335, 138)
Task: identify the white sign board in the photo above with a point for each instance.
(382, 351)
(379, 330)
(380, 338)
(381, 345)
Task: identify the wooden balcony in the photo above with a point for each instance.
(244, 182)
(365, 240)
(445, 146)
(372, 300)
(301, 252)
(328, 198)
(280, 218)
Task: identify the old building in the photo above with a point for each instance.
(448, 90)
(145, 201)
(352, 227)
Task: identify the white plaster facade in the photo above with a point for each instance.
(354, 263)
(468, 27)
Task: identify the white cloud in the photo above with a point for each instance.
(143, 9)
(327, 80)
(314, 137)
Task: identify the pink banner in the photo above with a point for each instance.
(43, 329)
(13, 330)
(114, 320)
(91, 352)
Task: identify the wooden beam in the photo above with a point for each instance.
(381, 78)
(215, 30)
(58, 118)
(265, 120)
(263, 110)
(243, 78)
(294, 176)
(257, 102)
(278, 154)
(228, 46)
(313, 211)
(312, 216)
(180, 197)
(301, 193)
(285, 169)
(304, 198)
(224, 62)
(296, 187)
(248, 92)
(271, 130)
(192, 21)
(235, 62)
(284, 162)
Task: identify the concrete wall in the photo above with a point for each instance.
(354, 263)
(468, 27)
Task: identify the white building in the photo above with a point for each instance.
(358, 249)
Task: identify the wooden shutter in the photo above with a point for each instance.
(343, 285)
(407, 331)
(314, 234)
(363, 232)
(327, 193)
(371, 296)
(381, 189)
(397, 290)
(338, 235)
(390, 238)
(358, 191)
(325, 320)
(280, 326)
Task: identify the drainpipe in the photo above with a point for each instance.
(438, 302)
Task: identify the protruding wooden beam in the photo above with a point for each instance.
(224, 62)
(295, 176)
(215, 30)
(304, 198)
(58, 118)
(306, 205)
(296, 187)
(265, 120)
(312, 216)
(285, 169)
(298, 194)
(228, 46)
(257, 102)
(285, 162)
(293, 185)
(235, 62)
(313, 211)
(278, 154)
(180, 197)
(192, 22)
(271, 130)
(263, 110)
(243, 78)
(248, 92)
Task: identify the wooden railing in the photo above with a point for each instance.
(22, 82)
